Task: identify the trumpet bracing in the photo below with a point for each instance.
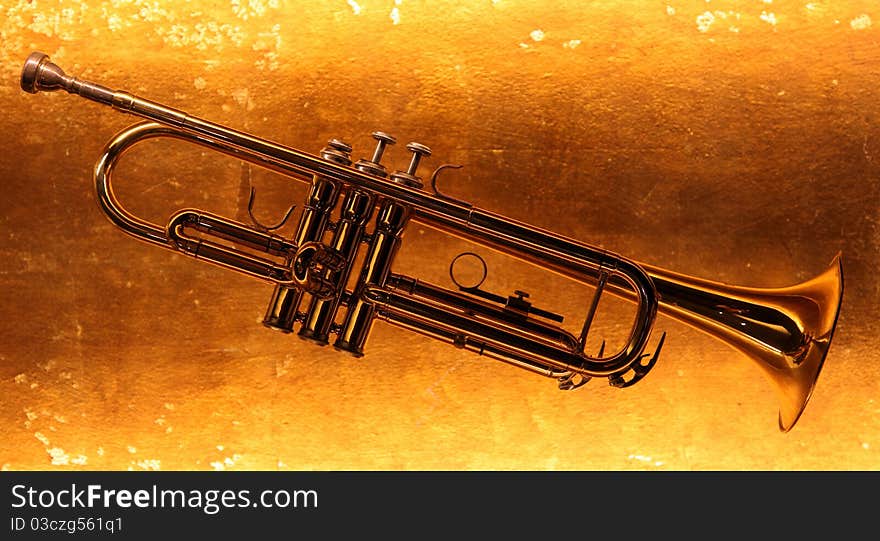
(786, 331)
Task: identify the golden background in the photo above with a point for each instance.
(737, 141)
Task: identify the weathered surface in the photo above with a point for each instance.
(737, 141)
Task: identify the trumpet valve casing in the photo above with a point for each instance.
(384, 243)
(282, 312)
(357, 206)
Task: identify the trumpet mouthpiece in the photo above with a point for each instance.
(40, 74)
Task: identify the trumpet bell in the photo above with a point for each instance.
(786, 331)
(816, 305)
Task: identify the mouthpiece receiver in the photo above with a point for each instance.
(40, 74)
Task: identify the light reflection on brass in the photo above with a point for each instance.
(645, 132)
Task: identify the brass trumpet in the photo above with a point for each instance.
(786, 331)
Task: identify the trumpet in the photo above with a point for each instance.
(353, 205)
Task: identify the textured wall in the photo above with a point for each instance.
(737, 141)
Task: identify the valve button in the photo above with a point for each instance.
(372, 166)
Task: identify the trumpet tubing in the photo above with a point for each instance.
(786, 331)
